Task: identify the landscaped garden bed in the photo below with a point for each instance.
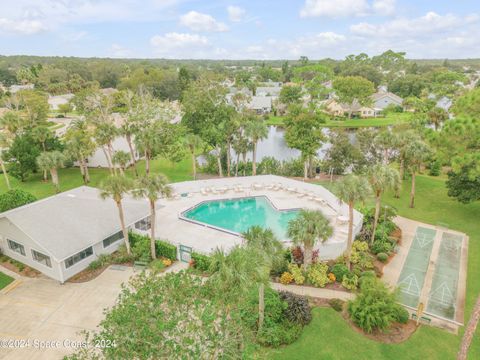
(18, 267)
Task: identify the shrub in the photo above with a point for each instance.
(331, 277)
(141, 248)
(121, 256)
(286, 278)
(280, 264)
(166, 262)
(298, 310)
(381, 246)
(201, 262)
(317, 274)
(297, 255)
(101, 261)
(435, 168)
(350, 281)
(336, 304)
(15, 198)
(401, 314)
(165, 249)
(297, 274)
(339, 270)
(374, 307)
(157, 265)
(382, 257)
(360, 246)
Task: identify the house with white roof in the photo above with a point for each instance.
(382, 99)
(261, 104)
(62, 234)
(55, 101)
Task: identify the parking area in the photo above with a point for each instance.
(41, 312)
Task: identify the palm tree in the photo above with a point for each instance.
(307, 229)
(146, 142)
(52, 161)
(41, 134)
(121, 158)
(469, 331)
(116, 187)
(4, 143)
(265, 249)
(79, 145)
(193, 142)
(256, 130)
(381, 177)
(350, 189)
(437, 116)
(105, 133)
(416, 153)
(401, 143)
(152, 187)
(231, 274)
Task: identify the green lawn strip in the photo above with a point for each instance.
(71, 178)
(4, 280)
(330, 337)
(432, 206)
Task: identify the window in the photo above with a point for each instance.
(41, 258)
(14, 246)
(112, 238)
(143, 224)
(72, 260)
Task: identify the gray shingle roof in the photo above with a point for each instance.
(260, 102)
(69, 222)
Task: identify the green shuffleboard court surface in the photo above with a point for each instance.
(413, 272)
(443, 293)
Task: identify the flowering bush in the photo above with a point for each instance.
(297, 274)
(331, 277)
(360, 246)
(167, 262)
(317, 274)
(286, 278)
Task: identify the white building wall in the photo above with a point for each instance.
(98, 159)
(10, 231)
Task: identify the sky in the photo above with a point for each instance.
(228, 29)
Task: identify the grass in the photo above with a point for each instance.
(4, 280)
(330, 336)
(71, 178)
(390, 119)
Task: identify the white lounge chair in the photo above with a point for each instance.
(203, 191)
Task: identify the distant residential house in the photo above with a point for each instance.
(62, 234)
(268, 91)
(261, 104)
(381, 100)
(16, 88)
(55, 101)
(333, 107)
(444, 103)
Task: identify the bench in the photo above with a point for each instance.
(422, 318)
(140, 265)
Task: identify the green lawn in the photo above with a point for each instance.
(71, 178)
(329, 337)
(390, 119)
(4, 280)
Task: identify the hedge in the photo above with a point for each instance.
(201, 262)
(15, 198)
(166, 249)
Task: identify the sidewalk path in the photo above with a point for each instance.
(314, 292)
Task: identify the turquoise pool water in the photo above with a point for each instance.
(238, 215)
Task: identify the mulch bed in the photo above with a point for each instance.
(27, 271)
(87, 274)
(397, 332)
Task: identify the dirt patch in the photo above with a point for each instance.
(397, 332)
(87, 274)
(24, 270)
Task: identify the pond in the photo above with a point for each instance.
(275, 146)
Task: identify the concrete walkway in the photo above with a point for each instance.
(314, 292)
(41, 313)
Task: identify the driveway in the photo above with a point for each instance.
(41, 309)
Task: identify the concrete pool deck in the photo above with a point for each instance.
(392, 271)
(293, 195)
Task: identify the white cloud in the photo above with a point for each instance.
(235, 13)
(384, 7)
(419, 27)
(23, 27)
(338, 8)
(202, 22)
(180, 45)
(119, 51)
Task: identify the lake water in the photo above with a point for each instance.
(275, 146)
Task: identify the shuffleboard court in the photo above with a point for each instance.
(415, 267)
(443, 292)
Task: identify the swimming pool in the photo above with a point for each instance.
(238, 215)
